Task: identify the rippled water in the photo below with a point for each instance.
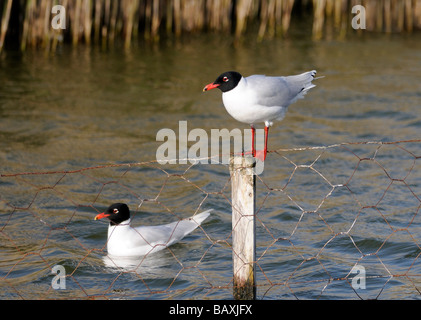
(320, 211)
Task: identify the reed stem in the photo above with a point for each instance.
(5, 22)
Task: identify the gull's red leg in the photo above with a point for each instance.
(266, 141)
(253, 134)
(261, 154)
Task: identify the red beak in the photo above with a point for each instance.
(101, 215)
(210, 86)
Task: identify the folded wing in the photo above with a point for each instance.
(280, 91)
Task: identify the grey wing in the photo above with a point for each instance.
(281, 91)
(170, 233)
(154, 235)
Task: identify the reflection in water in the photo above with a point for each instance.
(149, 266)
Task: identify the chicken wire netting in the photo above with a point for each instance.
(339, 221)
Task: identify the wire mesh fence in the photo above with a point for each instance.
(339, 221)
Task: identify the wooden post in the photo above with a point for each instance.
(243, 185)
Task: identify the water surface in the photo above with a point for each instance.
(320, 211)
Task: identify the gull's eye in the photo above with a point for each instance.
(225, 79)
(115, 210)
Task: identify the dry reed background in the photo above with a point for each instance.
(28, 22)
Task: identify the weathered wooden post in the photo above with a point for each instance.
(243, 185)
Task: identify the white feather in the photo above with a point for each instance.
(125, 240)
